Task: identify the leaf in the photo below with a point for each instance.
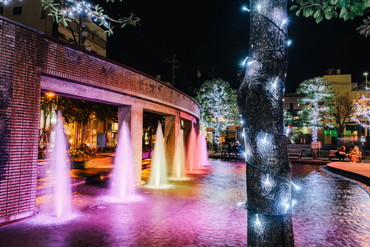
(307, 12)
(333, 2)
(328, 15)
(342, 12)
(293, 7)
(298, 12)
(317, 13)
(319, 18)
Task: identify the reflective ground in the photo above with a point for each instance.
(205, 211)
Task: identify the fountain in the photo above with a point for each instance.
(202, 155)
(122, 186)
(60, 205)
(178, 170)
(190, 151)
(199, 153)
(158, 167)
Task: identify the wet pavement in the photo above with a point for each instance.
(205, 211)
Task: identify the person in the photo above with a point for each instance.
(354, 154)
(237, 148)
(341, 153)
(230, 148)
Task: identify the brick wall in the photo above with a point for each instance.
(25, 55)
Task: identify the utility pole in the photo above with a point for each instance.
(174, 67)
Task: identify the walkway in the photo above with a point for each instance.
(357, 171)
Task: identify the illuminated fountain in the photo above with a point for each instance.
(60, 205)
(199, 154)
(158, 167)
(122, 185)
(202, 155)
(178, 169)
(190, 151)
(196, 156)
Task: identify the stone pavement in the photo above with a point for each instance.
(357, 171)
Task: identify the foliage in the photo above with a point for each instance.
(64, 12)
(218, 105)
(340, 115)
(330, 9)
(83, 151)
(82, 111)
(361, 113)
(317, 102)
(288, 118)
(106, 150)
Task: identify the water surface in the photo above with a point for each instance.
(204, 211)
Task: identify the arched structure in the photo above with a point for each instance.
(30, 63)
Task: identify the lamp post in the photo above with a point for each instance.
(365, 74)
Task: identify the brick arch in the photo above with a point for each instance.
(29, 63)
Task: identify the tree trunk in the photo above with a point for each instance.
(260, 100)
(340, 136)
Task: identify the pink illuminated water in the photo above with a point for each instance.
(201, 154)
(158, 168)
(60, 205)
(207, 211)
(122, 186)
(190, 151)
(197, 154)
(178, 169)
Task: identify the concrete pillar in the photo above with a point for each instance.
(172, 128)
(134, 116)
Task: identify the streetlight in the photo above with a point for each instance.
(365, 74)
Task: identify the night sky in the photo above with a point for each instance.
(213, 33)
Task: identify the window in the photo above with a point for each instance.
(17, 10)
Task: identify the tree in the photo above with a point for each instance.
(269, 199)
(361, 114)
(340, 114)
(317, 103)
(218, 106)
(81, 12)
(329, 9)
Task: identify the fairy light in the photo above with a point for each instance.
(259, 7)
(274, 84)
(267, 181)
(264, 138)
(258, 221)
(245, 8)
(295, 186)
(361, 113)
(285, 21)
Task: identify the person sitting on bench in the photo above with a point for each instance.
(341, 153)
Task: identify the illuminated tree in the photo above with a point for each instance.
(81, 12)
(361, 114)
(317, 102)
(330, 9)
(269, 198)
(218, 106)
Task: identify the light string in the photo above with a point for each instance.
(274, 87)
(268, 179)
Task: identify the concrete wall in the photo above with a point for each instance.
(29, 63)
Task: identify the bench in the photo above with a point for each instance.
(332, 155)
(295, 153)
